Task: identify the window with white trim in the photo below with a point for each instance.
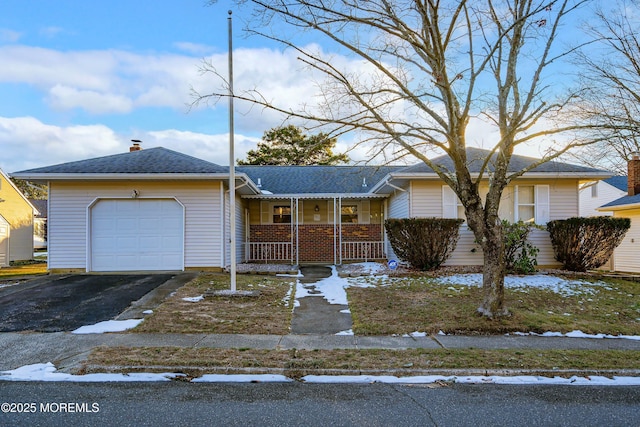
(531, 203)
(451, 206)
(355, 212)
(349, 214)
(282, 214)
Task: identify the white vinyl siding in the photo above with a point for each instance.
(239, 232)
(626, 254)
(556, 201)
(605, 193)
(399, 205)
(68, 212)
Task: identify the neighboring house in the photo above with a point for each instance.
(16, 223)
(157, 209)
(597, 193)
(40, 223)
(625, 256)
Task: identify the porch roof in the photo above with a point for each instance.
(316, 196)
(316, 181)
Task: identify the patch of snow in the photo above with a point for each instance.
(147, 312)
(345, 311)
(108, 326)
(556, 284)
(194, 299)
(6, 285)
(47, 372)
(427, 379)
(347, 332)
(415, 334)
(578, 334)
(331, 288)
(298, 274)
(287, 297)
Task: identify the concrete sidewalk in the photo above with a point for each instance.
(66, 350)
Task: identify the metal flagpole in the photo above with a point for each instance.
(232, 166)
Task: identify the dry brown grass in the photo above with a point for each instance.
(24, 269)
(413, 304)
(300, 362)
(268, 313)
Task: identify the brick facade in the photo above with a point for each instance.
(633, 177)
(316, 241)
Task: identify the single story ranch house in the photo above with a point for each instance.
(157, 209)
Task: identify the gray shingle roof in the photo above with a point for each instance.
(153, 160)
(625, 200)
(476, 156)
(620, 182)
(316, 179)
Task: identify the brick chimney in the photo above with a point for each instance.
(633, 178)
(135, 146)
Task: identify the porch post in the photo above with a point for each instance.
(335, 237)
(339, 219)
(297, 234)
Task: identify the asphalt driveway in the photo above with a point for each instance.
(64, 303)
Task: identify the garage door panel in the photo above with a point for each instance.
(139, 234)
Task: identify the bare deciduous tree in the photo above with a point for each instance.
(611, 76)
(428, 67)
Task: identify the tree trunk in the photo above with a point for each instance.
(494, 270)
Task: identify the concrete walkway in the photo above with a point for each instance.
(314, 314)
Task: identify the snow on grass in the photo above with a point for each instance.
(429, 379)
(559, 285)
(108, 326)
(48, 372)
(193, 299)
(577, 334)
(347, 332)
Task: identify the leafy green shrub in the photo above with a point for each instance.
(582, 244)
(520, 254)
(425, 243)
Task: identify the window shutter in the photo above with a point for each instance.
(516, 213)
(449, 203)
(265, 213)
(365, 215)
(542, 204)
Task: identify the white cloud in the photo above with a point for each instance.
(11, 36)
(27, 142)
(67, 98)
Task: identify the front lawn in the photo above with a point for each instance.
(387, 306)
(268, 313)
(24, 269)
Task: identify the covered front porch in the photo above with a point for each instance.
(319, 229)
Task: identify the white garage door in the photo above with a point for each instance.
(140, 234)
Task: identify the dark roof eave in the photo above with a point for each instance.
(316, 196)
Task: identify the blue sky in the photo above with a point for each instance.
(80, 79)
